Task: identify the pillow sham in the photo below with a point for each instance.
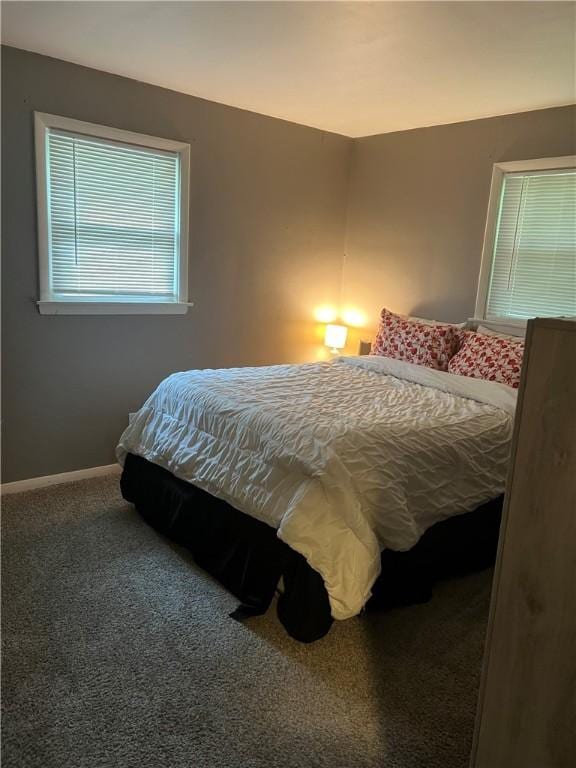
(403, 339)
(493, 358)
(462, 334)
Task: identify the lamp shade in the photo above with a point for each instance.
(335, 336)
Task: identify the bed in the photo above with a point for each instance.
(338, 478)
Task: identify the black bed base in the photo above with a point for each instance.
(247, 557)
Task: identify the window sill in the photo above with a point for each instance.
(112, 308)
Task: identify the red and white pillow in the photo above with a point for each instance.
(489, 357)
(415, 342)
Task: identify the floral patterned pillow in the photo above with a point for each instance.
(413, 342)
(489, 357)
(462, 334)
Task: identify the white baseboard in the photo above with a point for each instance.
(63, 477)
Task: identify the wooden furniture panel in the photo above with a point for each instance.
(527, 707)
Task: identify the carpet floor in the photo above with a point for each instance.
(119, 652)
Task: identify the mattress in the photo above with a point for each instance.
(342, 459)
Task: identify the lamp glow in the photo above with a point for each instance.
(354, 317)
(325, 314)
(335, 337)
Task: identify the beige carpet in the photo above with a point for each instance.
(119, 652)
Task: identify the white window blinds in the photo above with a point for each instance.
(534, 259)
(113, 224)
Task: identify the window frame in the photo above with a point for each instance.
(499, 170)
(49, 304)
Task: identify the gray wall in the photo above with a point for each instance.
(267, 213)
(418, 203)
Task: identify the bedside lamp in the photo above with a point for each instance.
(335, 337)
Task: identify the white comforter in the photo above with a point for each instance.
(342, 458)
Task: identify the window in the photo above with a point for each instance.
(529, 258)
(112, 220)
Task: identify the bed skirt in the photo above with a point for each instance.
(247, 557)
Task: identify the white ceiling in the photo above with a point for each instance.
(356, 68)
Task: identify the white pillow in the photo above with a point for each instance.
(489, 332)
(425, 321)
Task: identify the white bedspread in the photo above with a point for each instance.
(342, 458)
